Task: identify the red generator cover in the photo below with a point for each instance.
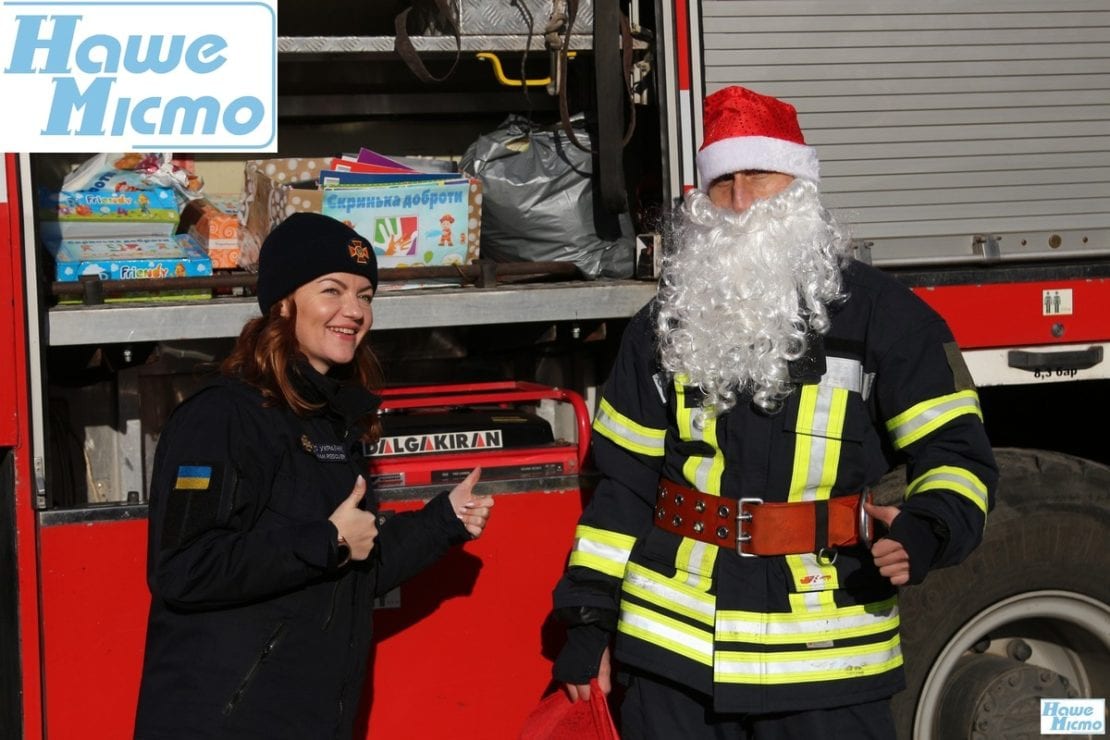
(464, 649)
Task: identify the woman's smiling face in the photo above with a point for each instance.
(333, 317)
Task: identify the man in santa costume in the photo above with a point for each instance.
(730, 560)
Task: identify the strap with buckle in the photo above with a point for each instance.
(757, 528)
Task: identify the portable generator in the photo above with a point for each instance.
(478, 617)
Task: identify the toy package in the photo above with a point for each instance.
(213, 221)
(130, 259)
(117, 195)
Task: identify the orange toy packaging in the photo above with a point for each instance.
(214, 223)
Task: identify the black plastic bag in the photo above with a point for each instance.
(538, 201)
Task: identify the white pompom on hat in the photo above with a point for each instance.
(748, 131)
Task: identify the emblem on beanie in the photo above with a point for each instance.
(359, 252)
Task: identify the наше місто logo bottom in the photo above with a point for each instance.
(1073, 716)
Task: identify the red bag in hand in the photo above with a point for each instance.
(556, 718)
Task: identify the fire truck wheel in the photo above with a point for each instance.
(1025, 617)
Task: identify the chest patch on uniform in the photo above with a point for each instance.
(322, 451)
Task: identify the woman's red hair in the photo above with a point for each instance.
(267, 348)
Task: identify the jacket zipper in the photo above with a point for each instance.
(331, 606)
(237, 696)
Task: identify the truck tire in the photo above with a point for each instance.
(1024, 617)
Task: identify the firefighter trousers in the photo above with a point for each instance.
(656, 709)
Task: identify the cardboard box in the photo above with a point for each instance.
(213, 221)
(130, 259)
(409, 225)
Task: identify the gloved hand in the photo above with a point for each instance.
(918, 535)
(580, 658)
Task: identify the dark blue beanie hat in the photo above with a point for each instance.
(305, 246)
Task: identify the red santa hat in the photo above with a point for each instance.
(748, 131)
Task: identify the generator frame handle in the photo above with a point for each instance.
(507, 391)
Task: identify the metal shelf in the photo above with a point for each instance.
(426, 44)
(399, 309)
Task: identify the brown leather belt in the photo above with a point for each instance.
(756, 528)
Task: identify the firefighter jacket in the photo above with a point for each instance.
(255, 630)
(794, 632)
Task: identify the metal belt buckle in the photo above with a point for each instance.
(863, 521)
(741, 517)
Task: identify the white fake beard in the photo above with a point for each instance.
(740, 290)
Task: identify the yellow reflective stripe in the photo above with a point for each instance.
(670, 634)
(702, 472)
(949, 478)
(835, 623)
(822, 664)
(822, 410)
(811, 601)
(696, 560)
(820, 425)
(601, 550)
(799, 477)
(621, 430)
(669, 593)
(926, 417)
(837, 411)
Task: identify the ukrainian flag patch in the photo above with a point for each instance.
(193, 478)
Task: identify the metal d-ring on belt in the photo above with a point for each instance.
(756, 528)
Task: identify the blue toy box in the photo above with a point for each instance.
(130, 259)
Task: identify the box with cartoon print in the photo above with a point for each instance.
(130, 259)
(410, 224)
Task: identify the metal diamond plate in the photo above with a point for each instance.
(384, 44)
(486, 25)
(502, 17)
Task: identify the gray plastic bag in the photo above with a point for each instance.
(538, 201)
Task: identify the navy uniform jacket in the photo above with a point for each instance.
(886, 385)
(254, 630)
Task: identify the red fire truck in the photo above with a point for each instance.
(968, 145)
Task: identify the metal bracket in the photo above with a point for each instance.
(987, 247)
(862, 248)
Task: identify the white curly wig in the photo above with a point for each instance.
(740, 291)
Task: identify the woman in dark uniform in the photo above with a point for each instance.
(265, 554)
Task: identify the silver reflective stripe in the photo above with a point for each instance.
(949, 478)
(821, 410)
(811, 601)
(612, 553)
(927, 416)
(823, 664)
(600, 549)
(818, 450)
(652, 587)
(781, 629)
(814, 421)
(695, 560)
(667, 633)
(628, 434)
